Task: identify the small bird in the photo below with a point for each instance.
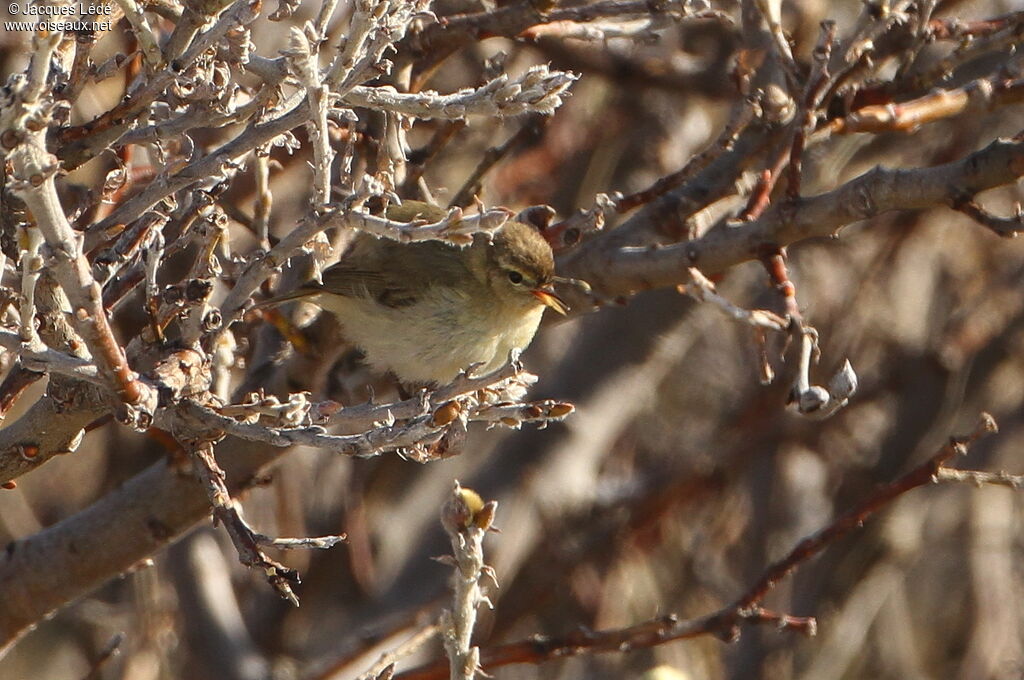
(427, 310)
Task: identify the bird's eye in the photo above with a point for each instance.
(515, 277)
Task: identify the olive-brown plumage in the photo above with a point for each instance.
(427, 310)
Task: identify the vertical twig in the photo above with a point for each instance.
(264, 198)
(31, 266)
(303, 59)
(466, 518)
(812, 101)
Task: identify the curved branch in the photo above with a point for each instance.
(622, 270)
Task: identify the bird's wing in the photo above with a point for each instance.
(351, 280)
(393, 274)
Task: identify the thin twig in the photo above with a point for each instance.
(470, 188)
(245, 540)
(407, 647)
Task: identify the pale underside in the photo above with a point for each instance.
(394, 338)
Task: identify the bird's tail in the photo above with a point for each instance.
(286, 297)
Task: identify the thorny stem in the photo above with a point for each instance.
(466, 519)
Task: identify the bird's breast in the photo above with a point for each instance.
(438, 336)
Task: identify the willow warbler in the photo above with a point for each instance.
(427, 310)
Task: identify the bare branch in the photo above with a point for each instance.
(539, 90)
(226, 512)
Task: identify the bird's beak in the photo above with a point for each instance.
(548, 297)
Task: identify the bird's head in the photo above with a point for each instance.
(521, 268)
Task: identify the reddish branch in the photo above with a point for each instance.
(108, 353)
(910, 115)
(924, 473)
(952, 28)
(761, 197)
(813, 101)
(745, 610)
(774, 260)
(539, 649)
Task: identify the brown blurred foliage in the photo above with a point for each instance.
(680, 476)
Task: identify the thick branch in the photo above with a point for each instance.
(69, 559)
(618, 271)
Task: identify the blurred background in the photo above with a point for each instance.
(680, 477)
